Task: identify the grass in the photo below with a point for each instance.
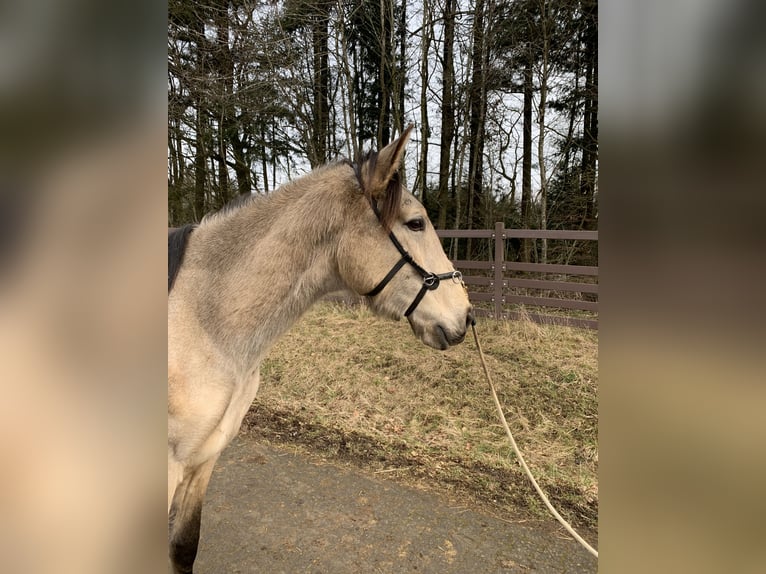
(347, 385)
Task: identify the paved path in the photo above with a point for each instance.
(271, 511)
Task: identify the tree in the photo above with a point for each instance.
(447, 110)
(377, 68)
(590, 119)
(426, 28)
(313, 18)
(477, 97)
(258, 90)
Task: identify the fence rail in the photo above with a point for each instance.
(499, 289)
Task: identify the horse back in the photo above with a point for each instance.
(178, 237)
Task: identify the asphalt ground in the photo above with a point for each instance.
(272, 510)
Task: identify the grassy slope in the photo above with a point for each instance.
(345, 384)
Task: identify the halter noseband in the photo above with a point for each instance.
(430, 280)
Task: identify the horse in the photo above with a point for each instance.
(245, 274)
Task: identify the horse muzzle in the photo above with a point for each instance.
(441, 337)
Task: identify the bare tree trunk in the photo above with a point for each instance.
(357, 88)
(573, 112)
(350, 127)
(590, 119)
(425, 45)
(223, 170)
(459, 151)
(241, 165)
(321, 114)
(541, 127)
(200, 171)
(398, 71)
(274, 162)
(477, 112)
(224, 70)
(448, 112)
(526, 162)
(264, 163)
(384, 132)
(398, 77)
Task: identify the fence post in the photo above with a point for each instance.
(499, 268)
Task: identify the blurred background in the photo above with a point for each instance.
(82, 312)
(83, 210)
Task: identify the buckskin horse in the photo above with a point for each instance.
(244, 275)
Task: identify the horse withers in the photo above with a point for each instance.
(244, 275)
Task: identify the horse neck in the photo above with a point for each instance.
(268, 263)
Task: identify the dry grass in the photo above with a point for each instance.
(346, 384)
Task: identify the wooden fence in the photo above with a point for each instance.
(498, 289)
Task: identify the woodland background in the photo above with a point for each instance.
(503, 94)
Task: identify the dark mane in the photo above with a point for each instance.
(177, 240)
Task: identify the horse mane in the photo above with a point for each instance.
(385, 207)
(177, 240)
(245, 199)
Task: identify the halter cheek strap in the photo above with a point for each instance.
(431, 281)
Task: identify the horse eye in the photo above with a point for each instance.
(416, 224)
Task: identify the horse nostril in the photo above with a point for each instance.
(469, 319)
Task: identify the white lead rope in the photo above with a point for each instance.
(555, 513)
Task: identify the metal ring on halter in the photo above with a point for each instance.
(431, 281)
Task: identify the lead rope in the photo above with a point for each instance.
(555, 513)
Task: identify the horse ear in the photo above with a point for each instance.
(378, 170)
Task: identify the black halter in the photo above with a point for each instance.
(430, 280)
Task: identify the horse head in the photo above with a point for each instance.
(393, 256)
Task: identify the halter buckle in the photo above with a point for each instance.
(431, 281)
